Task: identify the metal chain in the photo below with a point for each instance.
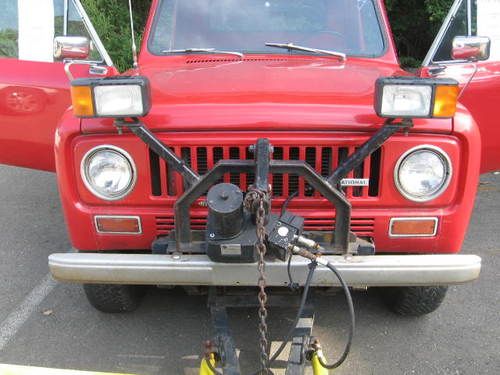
(256, 202)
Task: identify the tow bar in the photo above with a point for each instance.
(241, 228)
(244, 237)
(221, 351)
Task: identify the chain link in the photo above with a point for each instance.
(257, 202)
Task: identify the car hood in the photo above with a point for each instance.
(264, 93)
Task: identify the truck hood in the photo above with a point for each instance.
(263, 93)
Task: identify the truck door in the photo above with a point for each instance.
(481, 79)
(34, 88)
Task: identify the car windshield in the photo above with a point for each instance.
(347, 26)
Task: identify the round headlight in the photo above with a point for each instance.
(423, 173)
(108, 172)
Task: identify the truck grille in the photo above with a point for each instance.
(167, 183)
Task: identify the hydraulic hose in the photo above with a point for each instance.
(352, 317)
(312, 268)
(319, 260)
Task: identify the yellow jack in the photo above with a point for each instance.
(205, 368)
(318, 369)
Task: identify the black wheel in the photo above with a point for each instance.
(114, 298)
(414, 301)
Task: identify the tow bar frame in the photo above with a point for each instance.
(223, 347)
(182, 259)
(341, 242)
(197, 185)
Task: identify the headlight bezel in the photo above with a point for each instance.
(84, 96)
(86, 179)
(445, 158)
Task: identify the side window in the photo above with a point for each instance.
(8, 29)
(371, 27)
(28, 28)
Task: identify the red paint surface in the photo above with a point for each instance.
(218, 100)
(33, 97)
(481, 97)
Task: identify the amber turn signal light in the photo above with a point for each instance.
(83, 105)
(118, 224)
(413, 227)
(445, 101)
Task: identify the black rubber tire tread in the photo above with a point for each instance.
(114, 298)
(414, 301)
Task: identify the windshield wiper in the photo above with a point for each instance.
(294, 47)
(204, 50)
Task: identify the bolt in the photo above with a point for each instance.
(283, 231)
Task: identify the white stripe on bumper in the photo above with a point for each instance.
(376, 270)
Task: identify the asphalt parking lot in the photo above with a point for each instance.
(44, 323)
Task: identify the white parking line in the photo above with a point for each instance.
(11, 325)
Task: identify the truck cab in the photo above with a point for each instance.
(392, 158)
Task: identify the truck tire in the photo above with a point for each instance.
(114, 298)
(414, 301)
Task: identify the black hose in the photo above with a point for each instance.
(312, 268)
(350, 304)
(352, 323)
(287, 201)
(291, 284)
(352, 316)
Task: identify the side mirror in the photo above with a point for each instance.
(471, 48)
(72, 48)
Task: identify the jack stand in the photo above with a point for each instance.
(223, 340)
(224, 344)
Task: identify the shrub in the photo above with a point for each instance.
(112, 22)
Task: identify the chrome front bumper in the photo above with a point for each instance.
(377, 270)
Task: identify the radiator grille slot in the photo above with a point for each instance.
(201, 160)
(167, 183)
(277, 182)
(361, 226)
(154, 166)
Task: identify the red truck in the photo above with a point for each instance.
(250, 133)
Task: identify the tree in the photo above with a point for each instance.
(415, 24)
(112, 22)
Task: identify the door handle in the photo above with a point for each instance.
(98, 70)
(436, 70)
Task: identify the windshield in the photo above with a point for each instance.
(348, 26)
